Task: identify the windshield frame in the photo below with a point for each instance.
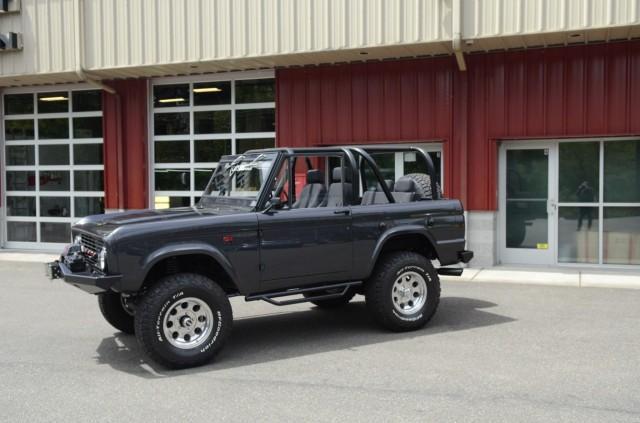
(247, 203)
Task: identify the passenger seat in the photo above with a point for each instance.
(336, 188)
(376, 196)
(314, 194)
(404, 190)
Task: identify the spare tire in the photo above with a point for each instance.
(423, 184)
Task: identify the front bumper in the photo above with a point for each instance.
(91, 282)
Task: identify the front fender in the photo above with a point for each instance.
(178, 249)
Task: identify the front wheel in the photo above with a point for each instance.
(183, 320)
(404, 291)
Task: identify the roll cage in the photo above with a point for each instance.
(356, 159)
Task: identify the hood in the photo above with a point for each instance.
(105, 224)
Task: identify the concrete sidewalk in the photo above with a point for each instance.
(555, 276)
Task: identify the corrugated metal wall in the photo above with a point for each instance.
(552, 93)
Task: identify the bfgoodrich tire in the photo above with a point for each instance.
(113, 310)
(404, 291)
(183, 320)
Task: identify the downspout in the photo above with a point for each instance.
(83, 76)
(456, 29)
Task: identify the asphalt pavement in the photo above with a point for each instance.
(493, 352)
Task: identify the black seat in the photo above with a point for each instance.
(313, 194)
(404, 190)
(377, 195)
(337, 188)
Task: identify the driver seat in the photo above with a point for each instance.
(314, 193)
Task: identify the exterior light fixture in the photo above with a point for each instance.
(55, 98)
(207, 90)
(171, 100)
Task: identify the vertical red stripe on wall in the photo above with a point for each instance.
(579, 91)
(128, 142)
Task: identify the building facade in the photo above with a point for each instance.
(529, 109)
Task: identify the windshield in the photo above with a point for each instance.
(238, 179)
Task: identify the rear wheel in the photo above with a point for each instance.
(331, 302)
(404, 291)
(116, 311)
(183, 320)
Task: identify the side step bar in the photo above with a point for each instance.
(269, 296)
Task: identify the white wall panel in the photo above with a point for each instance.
(154, 37)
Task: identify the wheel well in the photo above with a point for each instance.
(201, 264)
(410, 242)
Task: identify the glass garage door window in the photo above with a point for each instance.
(53, 164)
(194, 123)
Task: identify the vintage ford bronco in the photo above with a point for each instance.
(280, 225)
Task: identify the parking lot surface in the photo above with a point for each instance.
(493, 352)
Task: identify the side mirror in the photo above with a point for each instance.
(274, 203)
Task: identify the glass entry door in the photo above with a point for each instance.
(527, 203)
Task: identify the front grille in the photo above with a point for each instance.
(90, 247)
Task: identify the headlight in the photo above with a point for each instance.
(102, 259)
(77, 240)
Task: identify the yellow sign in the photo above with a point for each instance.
(542, 246)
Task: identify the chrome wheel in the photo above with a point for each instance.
(409, 293)
(187, 323)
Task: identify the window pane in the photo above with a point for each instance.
(527, 173)
(18, 129)
(256, 120)
(579, 172)
(21, 180)
(87, 127)
(21, 231)
(18, 104)
(578, 235)
(171, 151)
(243, 145)
(88, 180)
(171, 123)
(55, 206)
(20, 155)
(165, 202)
(87, 101)
(57, 102)
(622, 171)
(173, 180)
(55, 232)
(50, 129)
(54, 180)
(86, 206)
(211, 150)
(87, 154)
(255, 91)
(21, 206)
(201, 178)
(621, 235)
(527, 224)
(53, 154)
(214, 122)
(171, 95)
(212, 93)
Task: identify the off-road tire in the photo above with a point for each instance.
(424, 184)
(158, 302)
(332, 302)
(379, 288)
(114, 312)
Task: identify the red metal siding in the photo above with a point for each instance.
(579, 91)
(131, 139)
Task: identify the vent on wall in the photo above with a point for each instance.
(8, 6)
(10, 41)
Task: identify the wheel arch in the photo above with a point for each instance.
(190, 258)
(406, 238)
